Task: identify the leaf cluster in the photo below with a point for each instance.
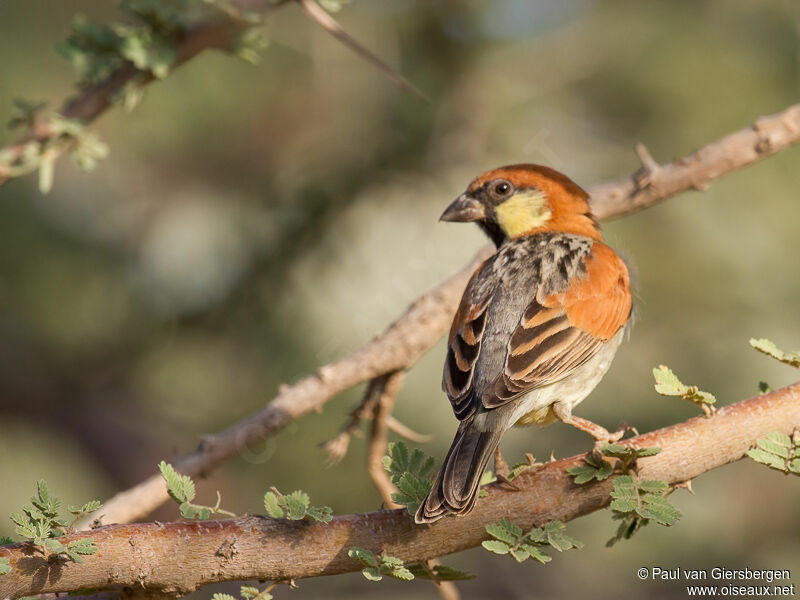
(39, 522)
(778, 451)
(668, 384)
(148, 39)
(376, 566)
(295, 507)
(595, 467)
(509, 539)
(410, 472)
(86, 148)
(181, 489)
(636, 503)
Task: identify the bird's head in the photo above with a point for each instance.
(521, 200)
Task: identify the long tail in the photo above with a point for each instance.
(455, 488)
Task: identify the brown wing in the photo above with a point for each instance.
(464, 342)
(560, 332)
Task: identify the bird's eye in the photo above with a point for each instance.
(501, 188)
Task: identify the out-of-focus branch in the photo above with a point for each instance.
(428, 318)
(655, 182)
(385, 388)
(329, 24)
(179, 557)
(95, 99)
(215, 34)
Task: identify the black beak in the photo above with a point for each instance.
(465, 208)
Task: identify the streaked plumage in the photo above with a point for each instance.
(538, 324)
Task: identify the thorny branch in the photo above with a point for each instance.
(214, 34)
(428, 318)
(179, 557)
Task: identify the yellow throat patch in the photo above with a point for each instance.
(525, 210)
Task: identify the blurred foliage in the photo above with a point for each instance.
(251, 223)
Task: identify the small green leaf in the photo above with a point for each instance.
(653, 486)
(295, 505)
(558, 539)
(658, 508)
(179, 487)
(187, 510)
(85, 546)
(624, 505)
(86, 508)
(363, 555)
(248, 591)
(501, 533)
(218, 596)
(594, 468)
(778, 451)
(323, 514)
(496, 546)
(401, 573)
(271, 506)
(770, 349)
(537, 554)
(372, 573)
(519, 554)
(5, 566)
(763, 388)
(668, 384)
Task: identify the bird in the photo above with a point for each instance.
(538, 323)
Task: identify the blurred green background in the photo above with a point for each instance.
(253, 223)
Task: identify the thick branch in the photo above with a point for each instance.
(416, 331)
(179, 557)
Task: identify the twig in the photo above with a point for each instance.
(385, 388)
(420, 327)
(329, 24)
(405, 431)
(767, 136)
(179, 557)
(336, 448)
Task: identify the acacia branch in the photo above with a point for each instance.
(386, 389)
(654, 182)
(95, 99)
(428, 318)
(179, 557)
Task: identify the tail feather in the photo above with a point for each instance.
(455, 489)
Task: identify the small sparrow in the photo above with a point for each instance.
(538, 324)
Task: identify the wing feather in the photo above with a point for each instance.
(555, 334)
